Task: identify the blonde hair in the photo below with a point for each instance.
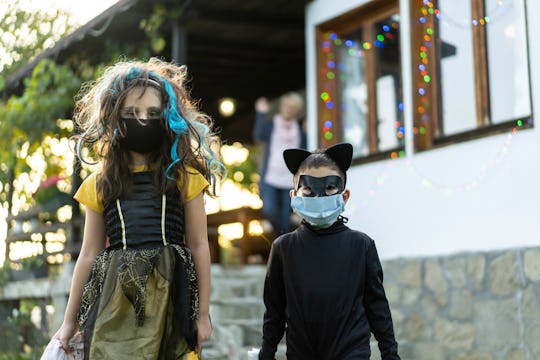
(295, 99)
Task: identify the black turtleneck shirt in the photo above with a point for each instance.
(325, 288)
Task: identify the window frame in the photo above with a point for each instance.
(428, 134)
(369, 13)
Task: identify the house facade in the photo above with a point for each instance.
(438, 100)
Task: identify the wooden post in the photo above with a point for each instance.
(246, 241)
(11, 180)
(74, 236)
(481, 65)
(179, 44)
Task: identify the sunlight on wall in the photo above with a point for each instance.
(231, 195)
(235, 153)
(228, 233)
(255, 228)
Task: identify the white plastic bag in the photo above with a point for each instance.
(54, 350)
(253, 354)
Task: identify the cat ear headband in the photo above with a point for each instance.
(340, 153)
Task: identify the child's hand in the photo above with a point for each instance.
(262, 105)
(65, 333)
(204, 329)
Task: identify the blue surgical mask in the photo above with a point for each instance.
(319, 211)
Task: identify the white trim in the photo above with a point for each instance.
(124, 242)
(163, 207)
(406, 75)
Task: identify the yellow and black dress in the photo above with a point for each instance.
(141, 298)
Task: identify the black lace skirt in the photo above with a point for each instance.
(140, 304)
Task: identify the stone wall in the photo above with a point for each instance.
(471, 306)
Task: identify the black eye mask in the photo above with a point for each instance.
(318, 185)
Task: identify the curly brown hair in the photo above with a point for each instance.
(97, 117)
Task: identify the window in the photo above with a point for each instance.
(470, 74)
(359, 81)
(470, 69)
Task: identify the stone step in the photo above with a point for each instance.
(235, 287)
(239, 354)
(251, 330)
(239, 301)
(236, 308)
(243, 322)
(246, 271)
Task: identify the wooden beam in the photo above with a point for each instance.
(248, 19)
(481, 69)
(371, 85)
(425, 111)
(179, 44)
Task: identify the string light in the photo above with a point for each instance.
(374, 190)
(500, 10)
(427, 182)
(356, 49)
(424, 79)
(448, 189)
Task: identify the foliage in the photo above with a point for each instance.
(19, 337)
(31, 262)
(48, 95)
(5, 275)
(27, 120)
(153, 24)
(48, 191)
(17, 356)
(24, 34)
(245, 173)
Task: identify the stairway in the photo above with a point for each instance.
(237, 310)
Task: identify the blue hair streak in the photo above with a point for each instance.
(176, 122)
(179, 125)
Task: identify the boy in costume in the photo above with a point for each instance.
(324, 280)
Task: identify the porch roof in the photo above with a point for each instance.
(233, 48)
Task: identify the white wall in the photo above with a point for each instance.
(477, 195)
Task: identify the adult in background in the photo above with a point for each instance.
(282, 131)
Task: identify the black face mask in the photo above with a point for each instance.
(142, 137)
(320, 185)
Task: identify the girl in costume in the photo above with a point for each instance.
(141, 284)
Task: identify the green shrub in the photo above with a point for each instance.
(19, 337)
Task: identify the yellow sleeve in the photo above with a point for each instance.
(196, 183)
(87, 194)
